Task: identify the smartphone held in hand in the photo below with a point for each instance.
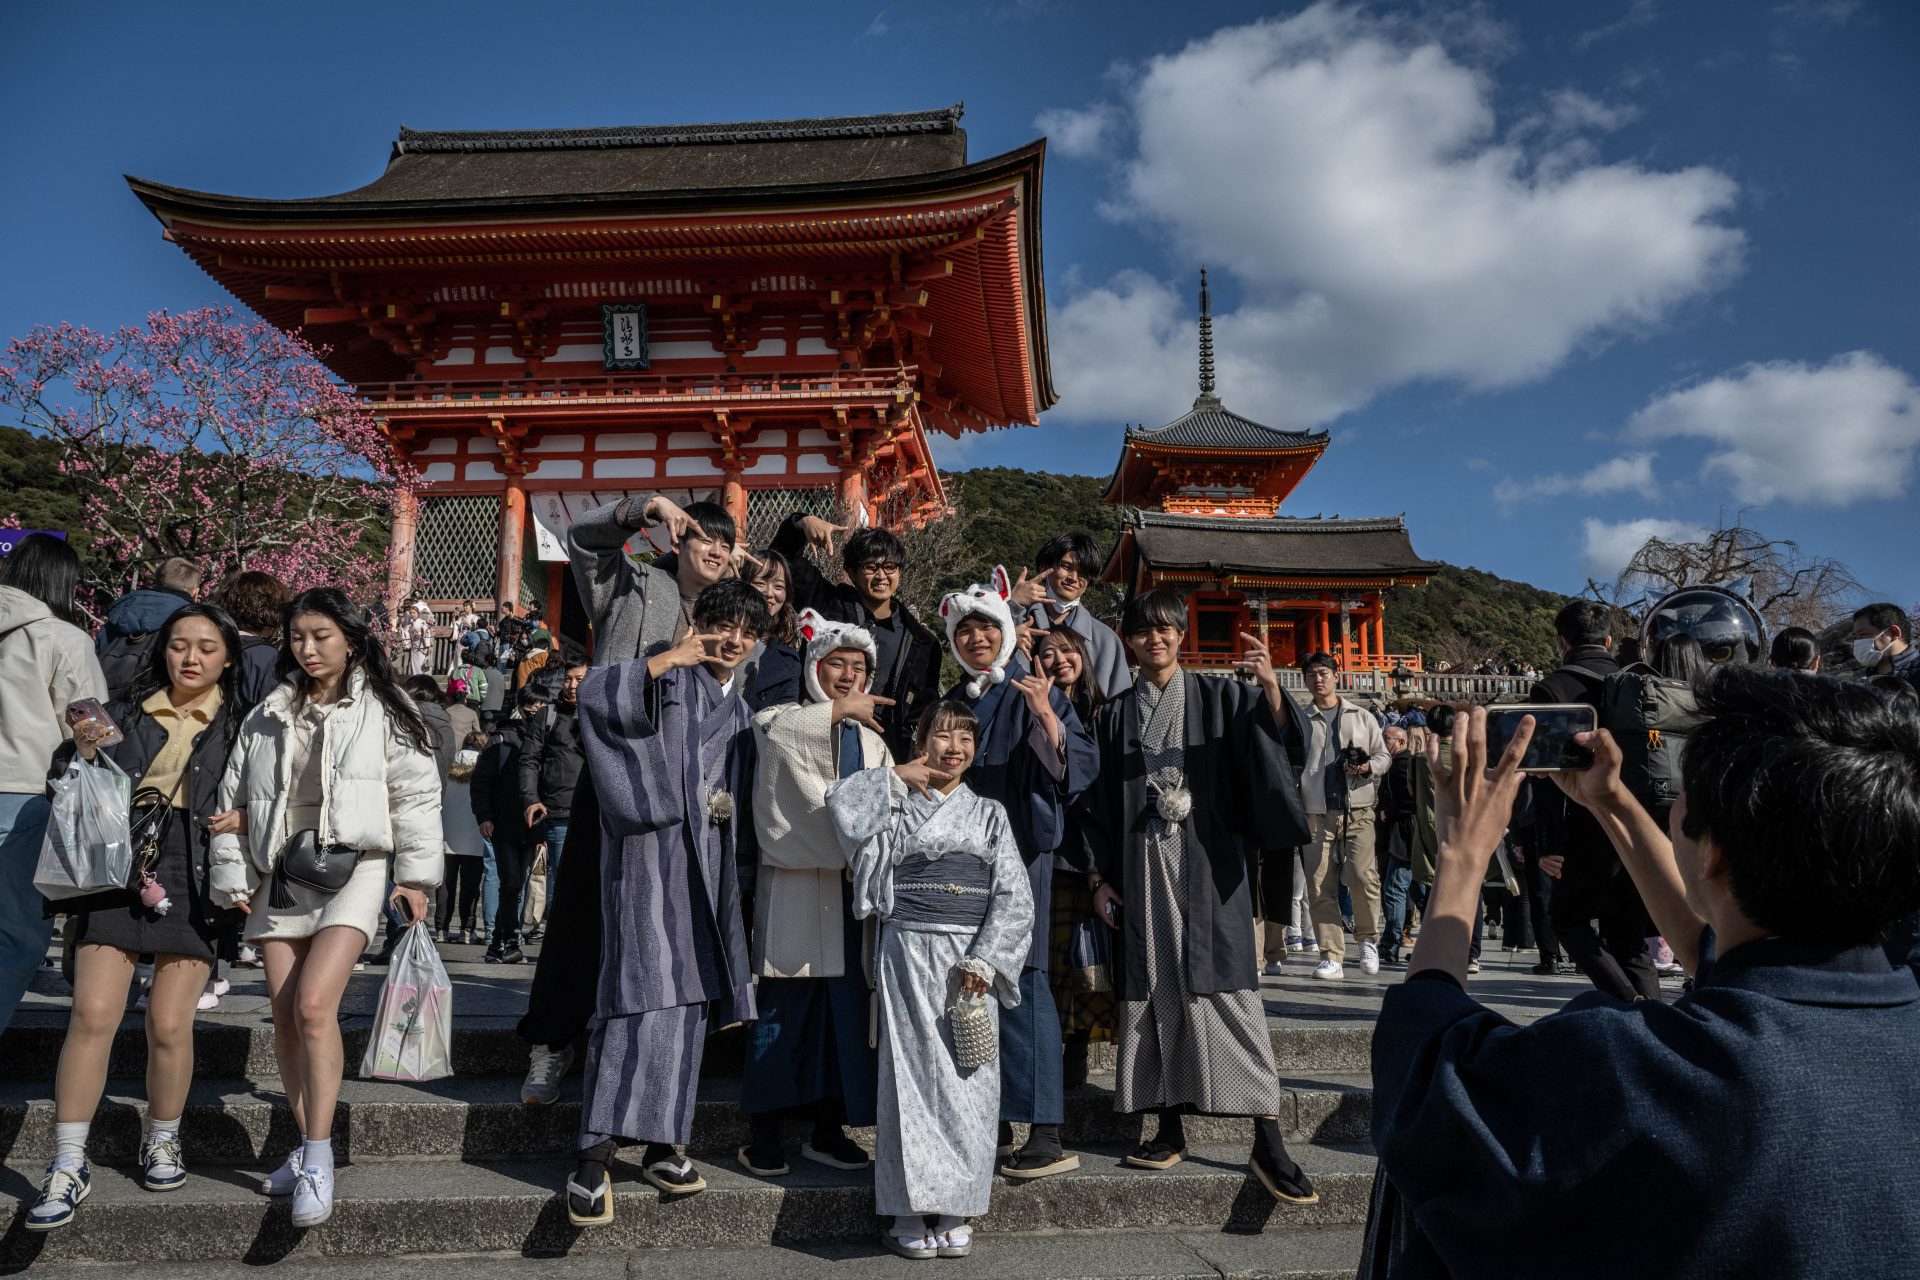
(1552, 747)
(92, 726)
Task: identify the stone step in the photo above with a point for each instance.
(239, 1048)
(247, 1123)
(429, 1207)
(1305, 1253)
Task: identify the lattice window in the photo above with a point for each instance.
(456, 546)
(767, 509)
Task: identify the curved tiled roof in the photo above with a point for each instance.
(1212, 425)
(419, 141)
(1307, 544)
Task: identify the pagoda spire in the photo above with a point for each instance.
(1206, 396)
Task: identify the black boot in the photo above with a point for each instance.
(1283, 1179)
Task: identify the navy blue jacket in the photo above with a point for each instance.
(1766, 1124)
(137, 613)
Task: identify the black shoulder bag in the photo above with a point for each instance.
(323, 868)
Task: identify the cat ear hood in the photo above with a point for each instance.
(822, 638)
(986, 600)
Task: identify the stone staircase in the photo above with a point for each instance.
(460, 1167)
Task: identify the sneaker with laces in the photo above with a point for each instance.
(545, 1069)
(280, 1181)
(1369, 957)
(1329, 970)
(60, 1195)
(161, 1166)
(1473, 966)
(312, 1196)
(1273, 969)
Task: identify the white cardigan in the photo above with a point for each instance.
(798, 912)
(377, 793)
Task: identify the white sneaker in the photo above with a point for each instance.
(1329, 970)
(312, 1197)
(544, 1072)
(208, 1000)
(1369, 957)
(1273, 969)
(281, 1181)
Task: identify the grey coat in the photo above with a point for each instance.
(635, 607)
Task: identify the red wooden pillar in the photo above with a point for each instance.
(1325, 636)
(853, 492)
(406, 519)
(513, 533)
(1379, 628)
(733, 496)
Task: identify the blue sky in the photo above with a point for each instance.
(1554, 276)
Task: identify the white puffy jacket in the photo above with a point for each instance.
(377, 793)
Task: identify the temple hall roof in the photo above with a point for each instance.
(441, 167)
(1282, 545)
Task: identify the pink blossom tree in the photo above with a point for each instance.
(202, 436)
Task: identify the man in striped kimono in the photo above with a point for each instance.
(670, 747)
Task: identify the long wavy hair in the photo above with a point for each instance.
(153, 677)
(1085, 695)
(364, 653)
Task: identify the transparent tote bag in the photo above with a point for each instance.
(89, 842)
(412, 1036)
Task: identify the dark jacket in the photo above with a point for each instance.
(551, 759)
(145, 736)
(774, 679)
(494, 790)
(259, 669)
(1243, 788)
(1764, 1105)
(1562, 827)
(440, 731)
(914, 682)
(138, 613)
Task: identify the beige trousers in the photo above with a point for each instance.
(1331, 857)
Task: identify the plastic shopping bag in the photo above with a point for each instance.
(89, 844)
(413, 1023)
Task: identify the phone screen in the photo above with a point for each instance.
(1552, 746)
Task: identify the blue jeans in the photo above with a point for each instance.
(1394, 883)
(24, 932)
(556, 841)
(489, 885)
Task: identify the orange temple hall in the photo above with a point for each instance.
(778, 312)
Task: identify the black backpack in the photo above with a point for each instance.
(1649, 717)
(122, 660)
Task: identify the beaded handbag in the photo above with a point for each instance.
(974, 1041)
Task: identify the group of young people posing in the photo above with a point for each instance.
(793, 827)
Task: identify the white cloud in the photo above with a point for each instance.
(878, 27)
(1347, 172)
(1632, 473)
(1608, 546)
(1841, 432)
(1080, 132)
(1639, 13)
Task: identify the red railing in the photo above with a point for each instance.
(872, 383)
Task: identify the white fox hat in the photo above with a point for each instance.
(823, 638)
(987, 600)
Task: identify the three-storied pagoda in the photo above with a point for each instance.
(1206, 490)
(777, 312)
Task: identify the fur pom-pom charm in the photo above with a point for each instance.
(153, 896)
(720, 806)
(1173, 805)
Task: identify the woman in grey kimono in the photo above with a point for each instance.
(938, 866)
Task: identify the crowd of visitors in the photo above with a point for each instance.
(756, 800)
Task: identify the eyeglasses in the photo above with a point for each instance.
(881, 566)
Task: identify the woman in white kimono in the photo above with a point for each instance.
(937, 865)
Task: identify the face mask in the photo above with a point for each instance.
(1866, 653)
